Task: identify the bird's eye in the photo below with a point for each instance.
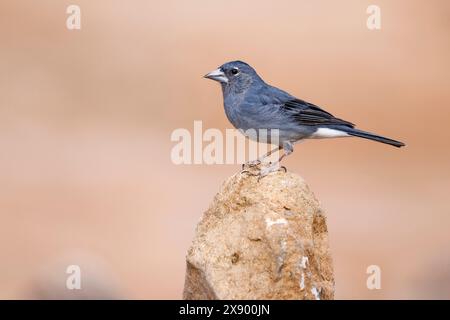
(234, 71)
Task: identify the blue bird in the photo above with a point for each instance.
(251, 105)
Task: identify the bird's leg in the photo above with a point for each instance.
(254, 163)
(288, 149)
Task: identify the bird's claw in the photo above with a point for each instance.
(251, 164)
(273, 168)
(249, 173)
(252, 169)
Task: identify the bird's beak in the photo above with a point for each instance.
(217, 75)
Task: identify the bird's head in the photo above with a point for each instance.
(235, 74)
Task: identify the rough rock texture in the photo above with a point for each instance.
(263, 239)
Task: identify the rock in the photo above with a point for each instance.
(261, 239)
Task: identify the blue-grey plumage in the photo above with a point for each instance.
(250, 103)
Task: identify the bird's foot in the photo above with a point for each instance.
(266, 170)
(251, 164)
(250, 173)
(251, 170)
(272, 168)
(260, 171)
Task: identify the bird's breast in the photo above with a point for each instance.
(233, 110)
(244, 117)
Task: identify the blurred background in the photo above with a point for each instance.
(86, 117)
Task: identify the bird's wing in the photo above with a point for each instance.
(309, 114)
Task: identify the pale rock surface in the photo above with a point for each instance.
(261, 239)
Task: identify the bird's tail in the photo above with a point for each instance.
(367, 135)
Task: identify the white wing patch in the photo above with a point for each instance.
(328, 133)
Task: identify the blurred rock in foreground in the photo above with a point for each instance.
(263, 239)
